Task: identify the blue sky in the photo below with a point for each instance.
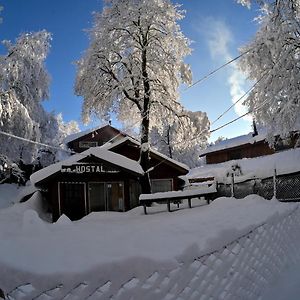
(216, 27)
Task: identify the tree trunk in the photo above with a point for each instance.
(145, 147)
(145, 155)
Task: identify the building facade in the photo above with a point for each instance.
(105, 178)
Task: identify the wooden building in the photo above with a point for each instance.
(164, 172)
(104, 179)
(245, 146)
(227, 153)
(81, 141)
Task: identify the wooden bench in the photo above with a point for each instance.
(177, 196)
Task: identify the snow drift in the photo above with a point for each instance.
(133, 256)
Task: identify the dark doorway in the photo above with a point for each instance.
(97, 197)
(72, 200)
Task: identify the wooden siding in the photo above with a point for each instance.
(243, 151)
(53, 190)
(162, 169)
(100, 136)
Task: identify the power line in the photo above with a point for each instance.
(253, 110)
(34, 142)
(219, 68)
(237, 101)
(232, 121)
(245, 114)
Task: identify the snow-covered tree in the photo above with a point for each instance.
(65, 129)
(274, 61)
(134, 65)
(10, 171)
(24, 84)
(182, 139)
(46, 155)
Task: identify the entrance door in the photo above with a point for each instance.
(115, 196)
(97, 196)
(72, 200)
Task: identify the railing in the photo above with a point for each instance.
(241, 269)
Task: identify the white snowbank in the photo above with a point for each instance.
(284, 162)
(12, 193)
(285, 286)
(8, 194)
(33, 247)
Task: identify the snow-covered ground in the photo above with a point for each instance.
(109, 236)
(31, 247)
(286, 286)
(13, 193)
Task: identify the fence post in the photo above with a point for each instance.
(232, 185)
(274, 184)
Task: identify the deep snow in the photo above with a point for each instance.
(111, 236)
(286, 286)
(13, 193)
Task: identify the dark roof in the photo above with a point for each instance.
(96, 130)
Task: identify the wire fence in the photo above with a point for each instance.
(284, 187)
(241, 269)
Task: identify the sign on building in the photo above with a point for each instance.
(88, 168)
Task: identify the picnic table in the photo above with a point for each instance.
(208, 193)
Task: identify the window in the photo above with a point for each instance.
(107, 196)
(161, 185)
(87, 145)
(235, 155)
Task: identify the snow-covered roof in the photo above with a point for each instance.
(284, 162)
(75, 136)
(235, 142)
(155, 152)
(99, 152)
